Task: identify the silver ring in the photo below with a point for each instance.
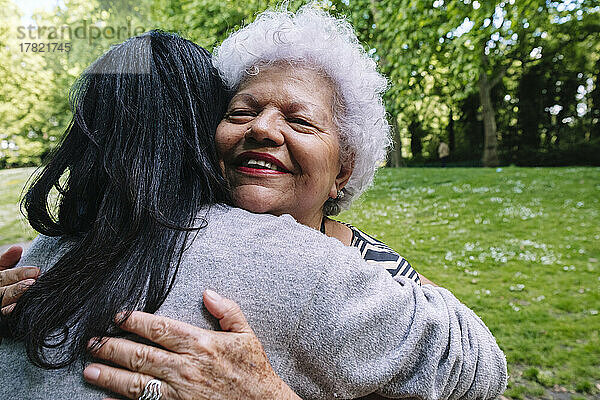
(152, 390)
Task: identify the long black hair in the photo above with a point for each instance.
(136, 168)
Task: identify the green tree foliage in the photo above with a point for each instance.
(34, 85)
(442, 52)
(503, 81)
(22, 77)
(208, 22)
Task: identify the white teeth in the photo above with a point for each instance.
(262, 163)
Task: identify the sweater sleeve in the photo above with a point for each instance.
(370, 333)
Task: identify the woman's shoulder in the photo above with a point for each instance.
(376, 252)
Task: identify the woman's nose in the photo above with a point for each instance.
(265, 128)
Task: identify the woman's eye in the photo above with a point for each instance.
(240, 115)
(299, 121)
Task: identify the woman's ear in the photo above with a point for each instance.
(342, 178)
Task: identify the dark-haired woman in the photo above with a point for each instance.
(143, 225)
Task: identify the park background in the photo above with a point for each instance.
(507, 84)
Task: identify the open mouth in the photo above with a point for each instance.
(260, 163)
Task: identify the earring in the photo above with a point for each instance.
(340, 194)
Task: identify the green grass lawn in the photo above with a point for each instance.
(519, 246)
(13, 226)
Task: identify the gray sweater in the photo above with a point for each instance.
(332, 326)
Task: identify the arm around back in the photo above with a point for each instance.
(370, 333)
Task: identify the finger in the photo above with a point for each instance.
(10, 294)
(10, 257)
(14, 275)
(8, 309)
(173, 335)
(135, 357)
(228, 312)
(120, 381)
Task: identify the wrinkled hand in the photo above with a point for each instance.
(14, 281)
(196, 363)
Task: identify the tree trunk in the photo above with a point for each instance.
(595, 113)
(451, 137)
(416, 134)
(490, 142)
(531, 109)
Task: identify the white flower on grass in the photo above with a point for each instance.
(549, 259)
(526, 242)
(517, 288)
(469, 246)
(521, 212)
(499, 255)
(527, 256)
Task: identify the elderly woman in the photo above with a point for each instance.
(306, 129)
(276, 141)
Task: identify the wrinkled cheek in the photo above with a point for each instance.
(312, 189)
(259, 199)
(231, 177)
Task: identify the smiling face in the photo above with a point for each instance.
(279, 145)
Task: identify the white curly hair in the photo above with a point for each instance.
(313, 38)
